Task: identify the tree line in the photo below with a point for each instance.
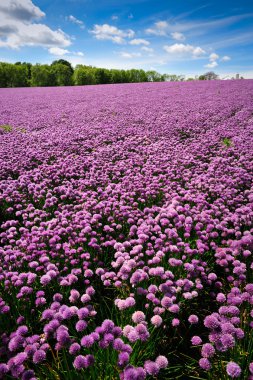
(61, 73)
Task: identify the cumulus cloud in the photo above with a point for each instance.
(21, 10)
(18, 28)
(7, 29)
(60, 52)
(112, 33)
(211, 65)
(182, 49)
(160, 28)
(75, 20)
(213, 57)
(177, 36)
(225, 58)
(139, 41)
(125, 54)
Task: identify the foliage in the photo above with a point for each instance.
(61, 73)
(210, 75)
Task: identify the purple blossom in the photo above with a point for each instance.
(233, 370)
(39, 356)
(193, 319)
(138, 316)
(123, 358)
(80, 362)
(124, 190)
(156, 320)
(196, 340)
(152, 368)
(161, 361)
(207, 350)
(205, 364)
(74, 348)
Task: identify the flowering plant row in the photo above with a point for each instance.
(126, 231)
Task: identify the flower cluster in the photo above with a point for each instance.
(126, 230)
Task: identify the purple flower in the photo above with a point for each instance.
(22, 330)
(233, 370)
(207, 350)
(87, 341)
(83, 313)
(161, 361)
(151, 367)
(227, 341)
(90, 360)
(174, 308)
(80, 362)
(138, 317)
(62, 335)
(156, 320)
(118, 344)
(74, 348)
(39, 356)
(193, 319)
(211, 322)
(205, 364)
(131, 373)
(16, 343)
(123, 358)
(81, 325)
(28, 375)
(107, 325)
(20, 358)
(175, 322)
(196, 340)
(3, 369)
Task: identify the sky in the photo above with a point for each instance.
(183, 37)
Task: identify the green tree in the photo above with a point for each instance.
(210, 75)
(62, 74)
(4, 74)
(63, 62)
(42, 75)
(84, 75)
(154, 76)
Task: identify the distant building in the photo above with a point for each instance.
(237, 76)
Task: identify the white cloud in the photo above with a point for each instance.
(225, 58)
(21, 10)
(213, 57)
(160, 28)
(114, 17)
(58, 51)
(177, 36)
(147, 49)
(35, 35)
(125, 54)
(75, 20)
(112, 33)
(211, 65)
(182, 49)
(19, 30)
(139, 41)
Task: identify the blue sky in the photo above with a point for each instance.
(186, 37)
